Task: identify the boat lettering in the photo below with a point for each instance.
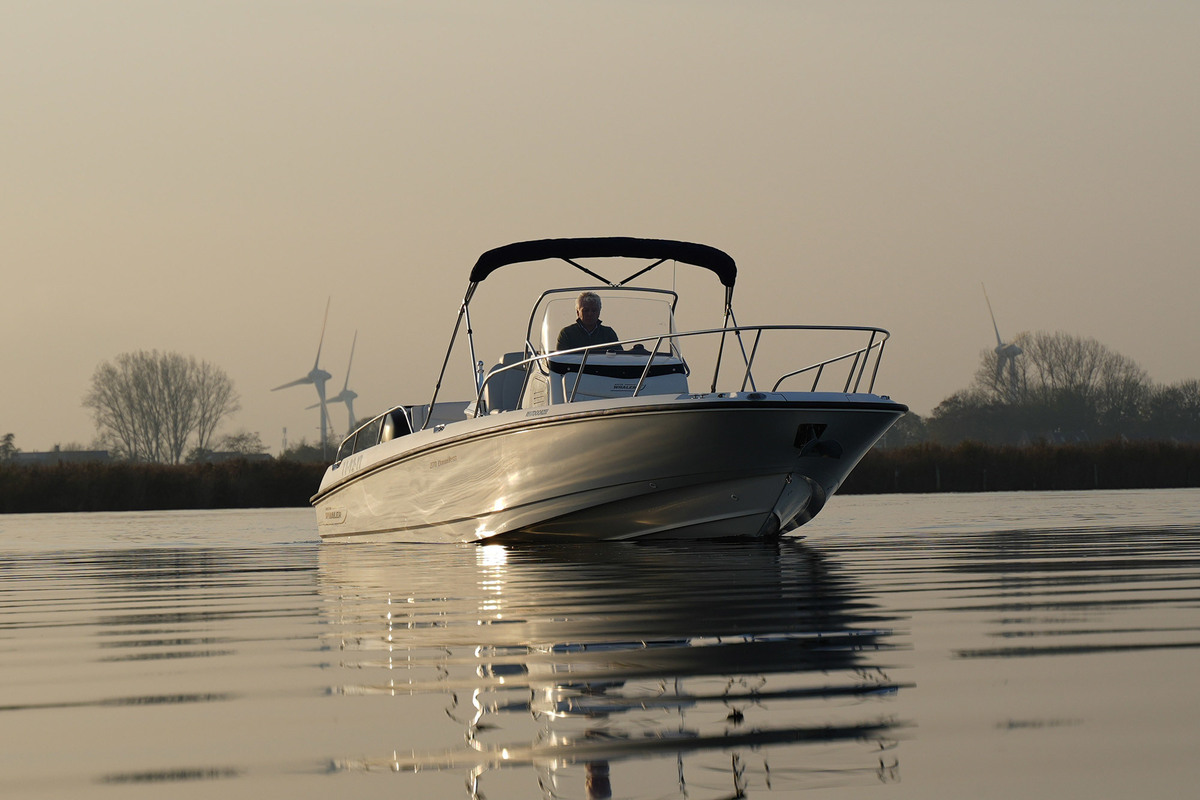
(624, 387)
(537, 412)
(442, 462)
(352, 463)
(334, 515)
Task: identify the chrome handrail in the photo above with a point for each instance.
(855, 354)
(871, 352)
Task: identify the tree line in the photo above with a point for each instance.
(1058, 388)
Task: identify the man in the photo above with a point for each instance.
(587, 328)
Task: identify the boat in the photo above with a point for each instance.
(719, 432)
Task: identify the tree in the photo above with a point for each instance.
(305, 452)
(908, 430)
(972, 414)
(148, 405)
(215, 399)
(1089, 388)
(243, 443)
(8, 451)
(1174, 412)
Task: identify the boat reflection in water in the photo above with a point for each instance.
(663, 670)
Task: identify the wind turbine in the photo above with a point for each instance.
(317, 377)
(1006, 354)
(347, 395)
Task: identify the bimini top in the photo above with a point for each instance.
(698, 255)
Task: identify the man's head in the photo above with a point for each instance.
(587, 308)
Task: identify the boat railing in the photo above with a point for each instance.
(853, 370)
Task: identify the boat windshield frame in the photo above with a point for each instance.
(535, 330)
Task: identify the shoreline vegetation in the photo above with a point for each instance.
(919, 469)
(128, 486)
(973, 467)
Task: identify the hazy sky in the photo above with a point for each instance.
(200, 176)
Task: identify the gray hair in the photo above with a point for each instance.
(587, 297)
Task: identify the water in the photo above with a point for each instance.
(999, 645)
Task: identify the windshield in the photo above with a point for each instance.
(631, 313)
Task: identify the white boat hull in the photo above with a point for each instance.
(691, 466)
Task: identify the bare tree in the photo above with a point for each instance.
(8, 450)
(1053, 364)
(177, 407)
(148, 405)
(113, 400)
(215, 400)
(1108, 388)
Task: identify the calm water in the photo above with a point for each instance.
(1001, 645)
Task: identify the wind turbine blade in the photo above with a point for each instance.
(342, 397)
(999, 341)
(297, 382)
(353, 342)
(321, 343)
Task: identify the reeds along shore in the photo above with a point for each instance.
(967, 467)
(144, 487)
(973, 467)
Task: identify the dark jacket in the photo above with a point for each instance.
(574, 336)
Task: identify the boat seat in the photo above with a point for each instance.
(395, 425)
(503, 392)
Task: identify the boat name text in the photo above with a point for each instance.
(442, 462)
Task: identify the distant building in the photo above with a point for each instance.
(218, 457)
(57, 456)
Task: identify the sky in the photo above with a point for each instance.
(203, 176)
